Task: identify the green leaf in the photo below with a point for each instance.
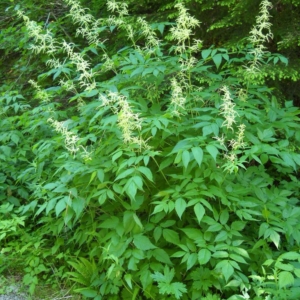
(60, 206)
(268, 262)
(78, 205)
(165, 163)
(275, 60)
(237, 258)
(102, 198)
(145, 278)
(262, 229)
(168, 223)
(204, 256)
(284, 60)
(275, 238)
(217, 60)
(238, 225)
(191, 261)
(137, 221)
(180, 206)
(224, 217)
(198, 155)
(60, 189)
(111, 222)
(205, 53)
(215, 227)
(225, 56)
(127, 278)
(297, 272)
(148, 71)
(87, 292)
(125, 174)
(157, 233)
(178, 289)
(50, 186)
(284, 267)
(91, 93)
(220, 254)
(226, 269)
(212, 128)
(288, 160)
(241, 251)
(142, 242)
(290, 255)
(185, 158)
(171, 236)
(178, 254)
(128, 221)
(193, 233)
(146, 171)
(213, 151)
(166, 277)
(162, 256)
(221, 236)
(131, 189)
(137, 71)
(161, 27)
(138, 182)
(139, 57)
(117, 155)
(285, 279)
(133, 59)
(15, 138)
(199, 211)
(50, 205)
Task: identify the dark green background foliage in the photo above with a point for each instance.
(175, 219)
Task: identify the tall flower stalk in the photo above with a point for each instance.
(259, 35)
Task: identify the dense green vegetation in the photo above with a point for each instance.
(151, 151)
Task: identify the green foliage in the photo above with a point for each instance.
(164, 169)
(165, 286)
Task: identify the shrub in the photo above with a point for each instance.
(162, 170)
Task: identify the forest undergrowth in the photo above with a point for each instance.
(146, 166)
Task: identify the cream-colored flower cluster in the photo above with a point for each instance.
(54, 63)
(182, 85)
(44, 42)
(86, 78)
(41, 94)
(79, 14)
(227, 109)
(88, 24)
(68, 85)
(230, 114)
(178, 100)
(148, 32)
(239, 143)
(71, 139)
(182, 32)
(118, 7)
(233, 162)
(187, 64)
(128, 121)
(108, 63)
(260, 34)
